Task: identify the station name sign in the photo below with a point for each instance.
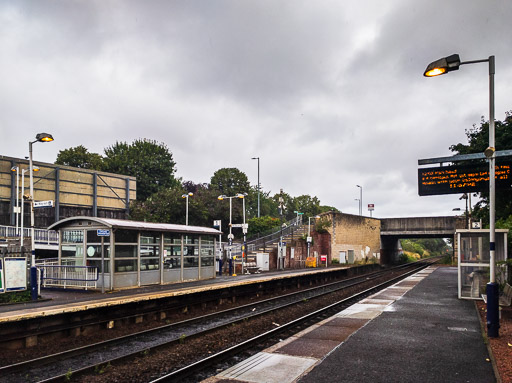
(462, 179)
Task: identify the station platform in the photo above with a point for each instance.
(414, 331)
(61, 301)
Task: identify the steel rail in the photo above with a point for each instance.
(200, 365)
(30, 365)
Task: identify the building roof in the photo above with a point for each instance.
(137, 225)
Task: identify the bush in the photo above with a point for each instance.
(322, 225)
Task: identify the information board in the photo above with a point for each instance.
(462, 179)
(15, 272)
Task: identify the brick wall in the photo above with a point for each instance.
(356, 233)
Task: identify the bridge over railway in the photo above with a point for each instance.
(394, 229)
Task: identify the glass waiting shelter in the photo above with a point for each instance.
(132, 254)
(473, 261)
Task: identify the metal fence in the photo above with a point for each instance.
(67, 276)
(41, 236)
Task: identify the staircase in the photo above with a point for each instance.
(292, 230)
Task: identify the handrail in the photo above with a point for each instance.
(286, 229)
(41, 236)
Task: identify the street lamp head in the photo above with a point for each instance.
(44, 137)
(221, 197)
(241, 195)
(442, 66)
(35, 168)
(14, 169)
(255, 158)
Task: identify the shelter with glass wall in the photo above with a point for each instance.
(474, 263)
(132, 254)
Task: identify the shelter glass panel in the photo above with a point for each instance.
(172, 239)
(125, 265)
(207, 251)
(126, 236)
(149, 238)
(172, 256)
(149, 264)
(72, 236)
(126, 251)
(72, 255)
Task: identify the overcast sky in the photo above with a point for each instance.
(329, 94)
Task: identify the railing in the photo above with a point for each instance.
(288, 228)
(84, 277)
(41, 236)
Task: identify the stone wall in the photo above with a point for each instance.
(354, 233)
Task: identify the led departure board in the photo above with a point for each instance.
(462, 179)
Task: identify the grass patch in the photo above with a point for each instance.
(15, 297)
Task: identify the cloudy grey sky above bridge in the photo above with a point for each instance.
(329, 94)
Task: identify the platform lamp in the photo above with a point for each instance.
(257, 158)
(244, 229)
(309, 231)
(443, 66)
(360, 199)
(40, 137)
(17, 207)
(186, 208)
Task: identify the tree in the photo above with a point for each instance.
(79, 157)
(230, 181)
(149, 161)
(478, 141)
(165, 206)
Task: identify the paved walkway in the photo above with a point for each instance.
(414, 331)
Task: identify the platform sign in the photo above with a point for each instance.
(103, 233)
(462, 179)
(39, 204)
(2, 283)
(15, 273)
(371, 207)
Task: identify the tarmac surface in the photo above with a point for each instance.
(414, 331)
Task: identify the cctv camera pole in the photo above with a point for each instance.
(33, 269)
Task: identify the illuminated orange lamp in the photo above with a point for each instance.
(442, 66)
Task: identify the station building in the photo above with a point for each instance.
(132, 254)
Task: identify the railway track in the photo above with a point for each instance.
(94, 358)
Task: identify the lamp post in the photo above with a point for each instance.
(443, 66)
(40, 137)
(17, 207)
(358, 204)
(23, 171)
(230, 235)
(360, 199)
(257, 158)
(186, 208)
(244, 230)
(309, 231)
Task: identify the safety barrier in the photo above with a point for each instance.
(41, 236)
(84, 277)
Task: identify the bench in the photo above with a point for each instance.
(251, 268)
(505, 298)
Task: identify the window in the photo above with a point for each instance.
(207, 251)
(72, 255)
(72, 236)
(125, 236)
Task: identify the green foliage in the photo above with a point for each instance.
(79, 157)
(15, 297)
(425, 247)
(322, 225)
(478, 141)
(230, 182)
(149, 161)
(262, 224)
